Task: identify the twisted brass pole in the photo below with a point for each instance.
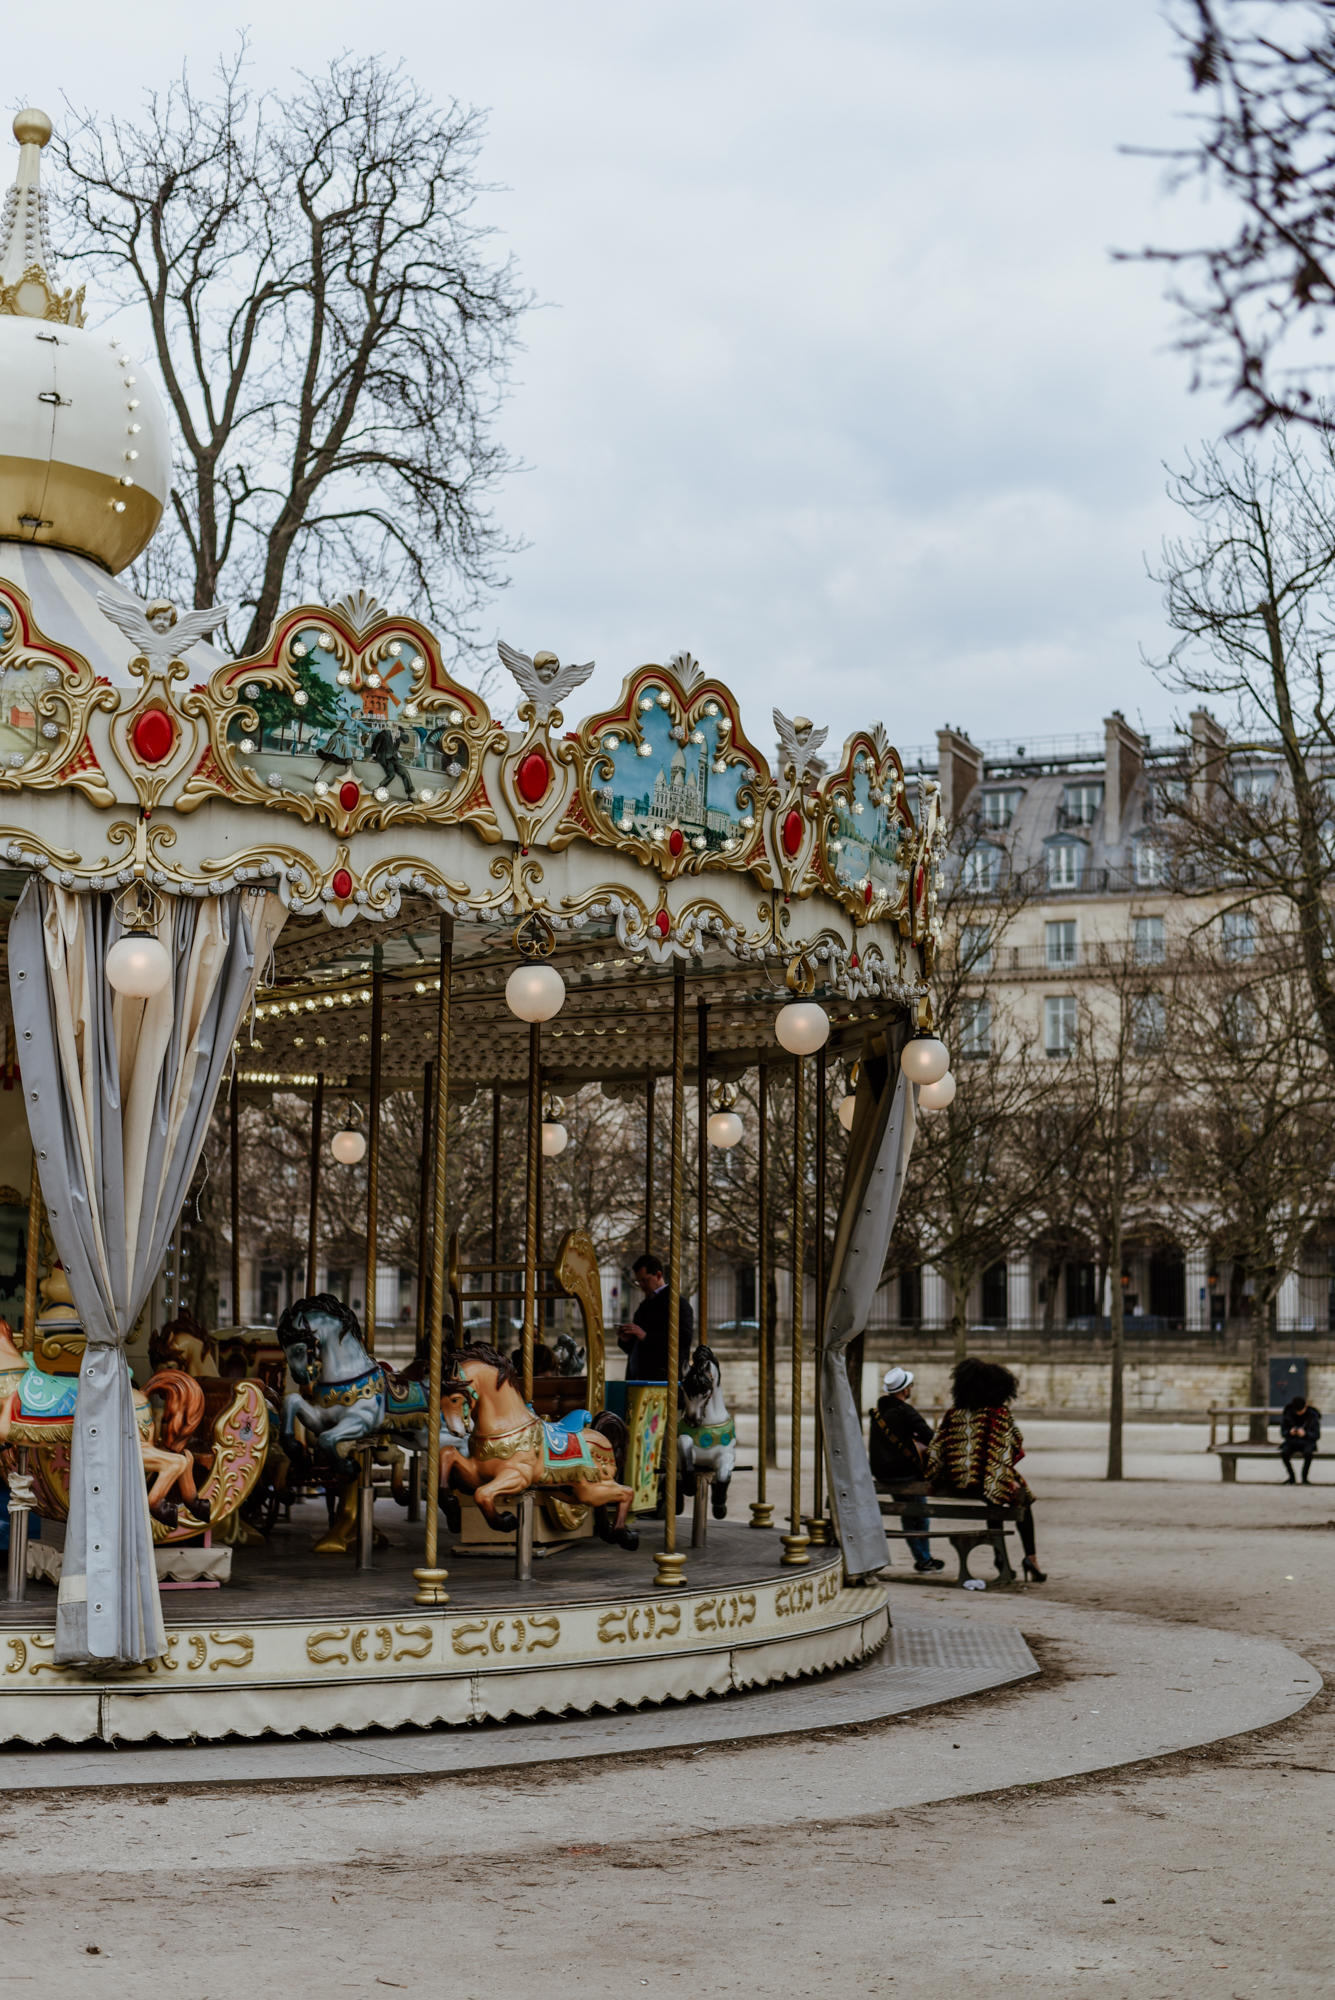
(649, 1083)
(373, 1149)
(313, 1222)
(32, 1256)
(818, 1523)
(796, 1542)
(762, 1509)
(702, 1165)
(234, 1162)
(430, 1578)
(495, 1176)
(671, 1567)
(532, 1193)
(423, 1200)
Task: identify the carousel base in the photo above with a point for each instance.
(298, 1643)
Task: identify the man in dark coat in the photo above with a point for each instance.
(644, 1338)
(1299, 1434)
(899, 1437)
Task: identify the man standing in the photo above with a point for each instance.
(899, 1438)
(645, 1337)
(1300, 1434)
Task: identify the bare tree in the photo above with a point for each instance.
(332, 330)
(1252, 598)
(1256, 296)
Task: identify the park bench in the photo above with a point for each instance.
(1229, 1450)
(953, 1510)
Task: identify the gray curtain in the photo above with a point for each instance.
(878, 1155)
(119, 1093)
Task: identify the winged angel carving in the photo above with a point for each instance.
(800, 742)
(157, 631)
(542, 679)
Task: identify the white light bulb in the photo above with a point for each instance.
(936, 1096)
(802, 1027)
(925, 1059)
(348, 1147)
(555, 1138)
(724, 1130)
(138, 966)
(535, 992)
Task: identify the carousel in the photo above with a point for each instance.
(327, 869)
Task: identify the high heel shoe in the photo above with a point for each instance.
(1032, 1571)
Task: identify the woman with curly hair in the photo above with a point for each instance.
(977, 1448)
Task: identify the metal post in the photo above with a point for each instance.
(423, 1204)
(234, 1153)
(700, 1509)
(313, 1220)
(20, 1482)
(702, 1165)
(649, 1085)
(818, 1522)
(796, 1542)
(762, 1509)
(495, 1178)
(524, 1538)
(430, 1578)
(365, 1511)
(671, 1567)
(532, 1195)
(373, 1149)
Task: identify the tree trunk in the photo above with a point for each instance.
(1117, 1355)
(1265, 1329)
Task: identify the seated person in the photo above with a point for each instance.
(897, 1445)
(977, 1448)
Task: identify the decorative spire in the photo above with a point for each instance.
(26, 260)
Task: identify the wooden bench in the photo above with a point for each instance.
(952, 1508)
(1229, 1454)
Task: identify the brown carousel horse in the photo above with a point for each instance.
(512, 1451)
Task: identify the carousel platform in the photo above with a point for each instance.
(299, 1643)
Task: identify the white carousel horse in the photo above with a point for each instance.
(706, 1434)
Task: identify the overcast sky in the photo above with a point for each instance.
(835, 382)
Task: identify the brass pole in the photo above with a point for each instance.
(495, 1176)
(373, 1149)
(649, 1086)
(313, 1224)
(671, 1567)
(430, 1579)
(532, 1192)
(423, 1203)
(32, 1256)
(702, 1164)
(234, 1153)
(796, 1542)
(762, 1509)
(818, 1524)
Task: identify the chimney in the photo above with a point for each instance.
(959, 768)
(1124, 760)
(1209, 758)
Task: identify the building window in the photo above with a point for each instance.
(1150, 864)
(1147, 940)
(1059, 940)
(976, 1029)
(982, 869)
(1148, 1020)
(1239, 928)
(1255, 786)
(1066, 862)
(744, 1297)
(910, 1296)
(994, 1301)
(1059, 1024)
(1239, 1020)
(1080, 803)
(976, 947)
(1000, 808)
(1163, 795)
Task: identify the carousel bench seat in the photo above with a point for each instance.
(946, 1512)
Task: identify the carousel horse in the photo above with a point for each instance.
(513, 1451)
(184, 1344)
(706, 1434)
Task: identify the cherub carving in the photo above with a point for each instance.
(157, 630)
(543, 681)
(800, 741)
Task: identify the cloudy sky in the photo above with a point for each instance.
(834, 382)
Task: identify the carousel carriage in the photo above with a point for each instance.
(643, 899)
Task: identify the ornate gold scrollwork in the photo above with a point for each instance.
(627, 1624)
(866, 829)
(47, 694)
(489, 1636)
(726, 1613)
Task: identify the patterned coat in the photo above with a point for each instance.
(976, 1451)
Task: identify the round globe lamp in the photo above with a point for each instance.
(555, 1138)
(348, 1147)
(724, 1130)
(138, 966)
(936, 1096)
(925, 1059)
(535, 992)
(802, 1027)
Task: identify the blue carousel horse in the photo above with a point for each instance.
(344, 1397)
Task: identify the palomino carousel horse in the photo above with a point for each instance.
(706, 1434)
(512, 1450)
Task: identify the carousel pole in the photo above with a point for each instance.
(818, 1521)
(373, 1148)
(423, 1204)
(430, 1578)
(533, 1192)
(671, 1567)
(650, 1083)
(702, 1165)
(313, 1220)
(762, 1509)
(234, 1164)
(495, 1178)
(796, 1542)
(21, 1495)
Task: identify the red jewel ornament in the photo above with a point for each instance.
(919, 884)
(348, 794)
(854, 961)
(866, 893)
(533, 778)
(792, 833)
(662, 923)
(676, 840)
(153, 736)
(342, 884)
